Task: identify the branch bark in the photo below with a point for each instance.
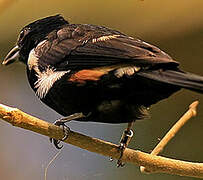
(155, 164)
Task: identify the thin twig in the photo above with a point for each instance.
(154, 163)
(192, 111)
(46, 169)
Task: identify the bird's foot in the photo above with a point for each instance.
(66, 131)
(61, 122)
(125, 139)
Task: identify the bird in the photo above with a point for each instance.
(93, 73)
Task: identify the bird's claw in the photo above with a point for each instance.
(121, 148)
(125, 139)
(61, 122)
(66, 131)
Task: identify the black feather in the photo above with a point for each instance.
(178, 78)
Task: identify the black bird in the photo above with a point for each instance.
(93, 73)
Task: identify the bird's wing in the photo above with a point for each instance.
(88, 46)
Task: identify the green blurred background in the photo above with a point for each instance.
(175, 26)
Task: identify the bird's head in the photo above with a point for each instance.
(31, 35)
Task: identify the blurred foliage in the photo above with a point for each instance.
(4, 4)
(174, 26)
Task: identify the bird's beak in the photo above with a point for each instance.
(11, 56)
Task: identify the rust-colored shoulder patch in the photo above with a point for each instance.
(86, 75)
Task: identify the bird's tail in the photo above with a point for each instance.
(177, 78)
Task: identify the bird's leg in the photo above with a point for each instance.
(125, 140)
(66, 129)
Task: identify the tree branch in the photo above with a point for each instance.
(156, 164)
(172, 132)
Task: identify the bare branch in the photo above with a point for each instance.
(156, 164)
(192, 111)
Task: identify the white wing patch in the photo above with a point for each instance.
(129, 70)
(46, 79)
(104, 38)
